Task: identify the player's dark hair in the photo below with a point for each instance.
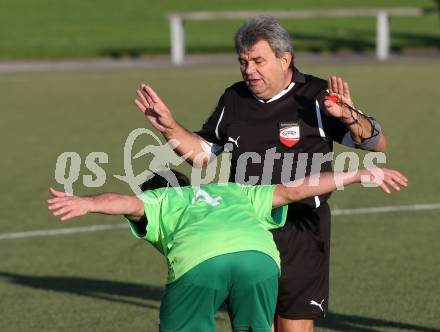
(159, 180)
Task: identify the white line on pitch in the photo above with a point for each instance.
(53, 232)
(385, 209)
(97, 228)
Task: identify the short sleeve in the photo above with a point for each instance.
(138, 228)
(213, 130)
(150, 229)
(261, 199)
(163, 208)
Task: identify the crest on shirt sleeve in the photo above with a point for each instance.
(289, 133)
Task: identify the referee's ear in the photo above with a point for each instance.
(287, 61)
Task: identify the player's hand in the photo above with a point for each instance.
(337, 87)
(154, 109)
(384, 178)
(66, 206)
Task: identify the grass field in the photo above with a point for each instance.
(58, 29)
(385, 267)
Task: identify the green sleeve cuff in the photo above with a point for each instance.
(152, 213)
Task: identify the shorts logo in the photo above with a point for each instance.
(319, 305)
(289, 133)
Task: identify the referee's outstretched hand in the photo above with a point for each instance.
(154, 109)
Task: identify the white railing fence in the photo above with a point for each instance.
(177, 26)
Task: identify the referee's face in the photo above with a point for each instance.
(265, 74)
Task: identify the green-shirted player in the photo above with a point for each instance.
(216, 241)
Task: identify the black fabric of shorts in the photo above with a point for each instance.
(304, 245)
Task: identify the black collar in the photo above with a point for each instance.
(297, 76)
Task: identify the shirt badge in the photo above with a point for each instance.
(289, 133)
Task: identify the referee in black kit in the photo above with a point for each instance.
(279, 125)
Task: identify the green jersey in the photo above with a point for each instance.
(189, 225)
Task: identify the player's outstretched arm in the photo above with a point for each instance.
(184, 142)
(327, 182)
(66, 206)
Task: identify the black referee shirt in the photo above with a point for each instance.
(286, 136)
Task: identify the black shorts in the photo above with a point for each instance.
(304, 245)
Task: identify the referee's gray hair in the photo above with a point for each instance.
(263, 27)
